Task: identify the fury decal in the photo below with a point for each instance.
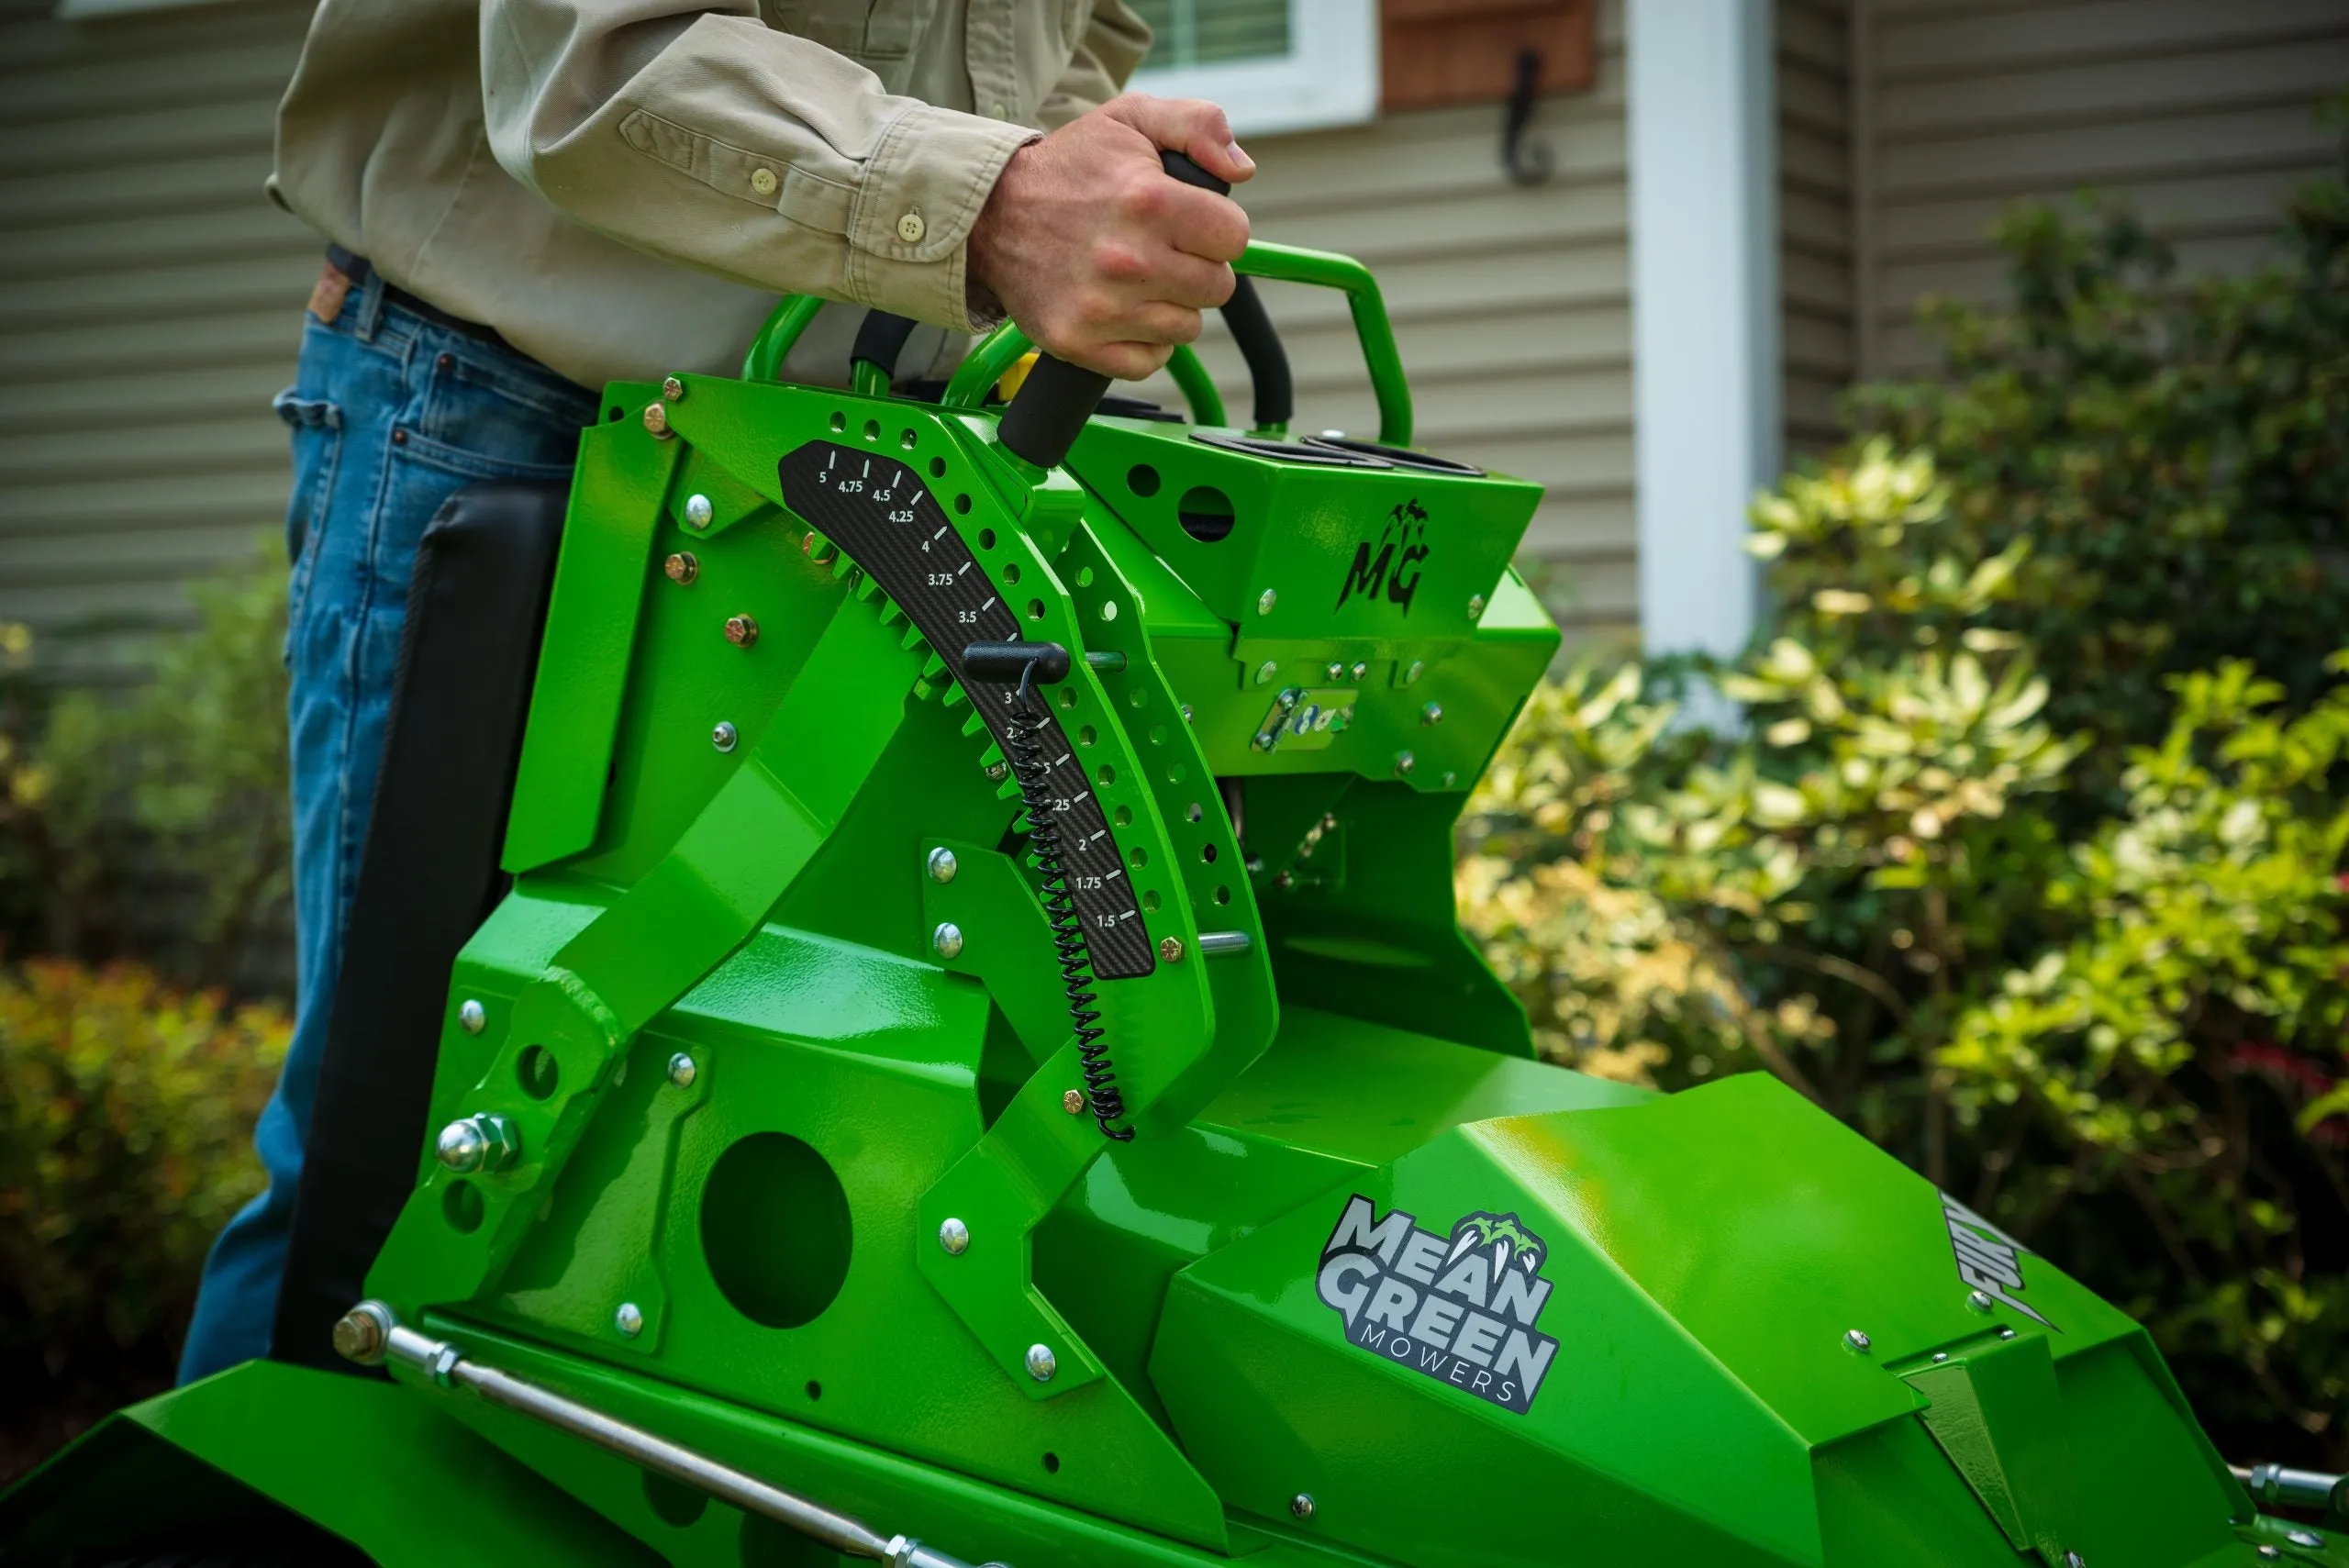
(1987, 1258)
(1463, 1309)
(1395, 574)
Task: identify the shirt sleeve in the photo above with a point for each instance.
(1116, 40)
(700, 134)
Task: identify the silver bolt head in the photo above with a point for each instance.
(683, 1070)
(1337, 671)
(1857, 1339)
(472, 1016)
(1265, 671)
(1405, 761)
(1170, 949)
(1072, 1101)
(1432, 714)
(1265, 601)
(1041, 1362)
(997, 770)
(1359, 670)
(1419, 667)
(947, 940)
(672, 388)
(1186, 713)
(2303, 1537)
(463, 1146)
(1301, 1505)
(1940, 1356)
(2006, 1333)
(2073, 1560)
(629, 1319)
(1477, 607)
(698, 512)
(2270, 1553)
(723, 735)
(1979, 1299)
(954, 1236)
(941, 864)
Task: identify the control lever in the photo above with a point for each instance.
(1052, 405)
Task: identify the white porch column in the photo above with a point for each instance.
(1705, 375)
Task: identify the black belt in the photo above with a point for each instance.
(358, 269)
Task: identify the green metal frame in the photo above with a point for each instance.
(751, 1084)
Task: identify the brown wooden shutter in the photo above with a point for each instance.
(1465, 51)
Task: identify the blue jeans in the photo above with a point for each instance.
(391, 413)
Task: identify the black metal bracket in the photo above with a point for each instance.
(1528, 162)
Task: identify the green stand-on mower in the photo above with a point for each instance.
(976, 1063)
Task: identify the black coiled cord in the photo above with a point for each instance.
(1025, 750)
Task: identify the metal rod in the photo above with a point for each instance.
(1214, 942)
(2277, 1484)
(449, 1367)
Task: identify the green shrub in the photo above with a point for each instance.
(126, 1112)
(2026, 858)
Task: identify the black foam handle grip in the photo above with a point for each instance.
(1050, 410)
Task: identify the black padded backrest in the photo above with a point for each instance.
(429, 877)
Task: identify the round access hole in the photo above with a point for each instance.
(462, 1207)
(538, 1071)
(674, 1503)
(1205, 512)
(775, 1229)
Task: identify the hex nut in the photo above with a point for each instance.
(947, 940)
(1072, 1101)
(683, 1070)
(942, 863)
(698, 512)
(723, 735)
(672, 388)
(472, 1016)
(484, 1143)
(954, 1236)
(681, 568)
(741, 630)
(361, 1334)
(1041, 1362)
(629, 1319)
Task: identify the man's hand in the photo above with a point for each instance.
(1095, 252)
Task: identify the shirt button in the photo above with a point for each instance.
(910, 228)
(999, 109)
(763, 181)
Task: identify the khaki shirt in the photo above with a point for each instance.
(621, 188)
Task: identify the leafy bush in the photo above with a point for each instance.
(155, 824)
(125, 1114)
(2028, 858)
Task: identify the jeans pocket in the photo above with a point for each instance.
(317, 426)
(508, 414)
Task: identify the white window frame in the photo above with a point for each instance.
(1330, 76)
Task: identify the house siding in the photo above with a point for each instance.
(150, 307)
(1816, 282)
(2200, 115)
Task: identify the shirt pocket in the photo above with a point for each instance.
(880, 35)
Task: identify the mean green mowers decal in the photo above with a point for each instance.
(1463, 1309)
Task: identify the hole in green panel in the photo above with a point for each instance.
(814, 1389)
(674, 1502)
(1052, 1463)
(1193, 812)
(1124, 816)
(937, 468)
(1011, 572)
(1223, 896)
(962, 503)
(987, 536)
(538, 1071)
(1137, 857)
(907, 438)
(1205, 512)
(840, 421)
(462, 1207)
(776, 1230)
(1150, 899)
(873, 430)
(1035, 609)
(1142, 479)
(1108, 775)
(1085, 576)
(1086, 736)
(614, 415)
(1108, 609)
(1207, 853)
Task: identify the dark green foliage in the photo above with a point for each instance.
(154, 824)
(2028, 861)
